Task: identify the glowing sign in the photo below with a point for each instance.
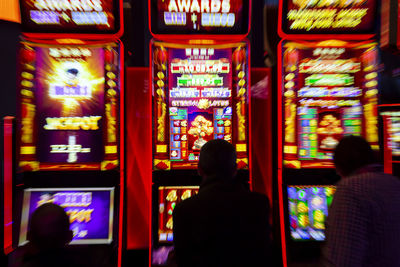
(90, 211)
(71, 120)
(70, 15)
(200, 16)
(329, 90)
(323, 17)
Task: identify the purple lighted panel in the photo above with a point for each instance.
(90, 211)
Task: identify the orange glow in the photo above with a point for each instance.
(9, 10)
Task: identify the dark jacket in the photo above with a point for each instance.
(224, 225)
(363, 225)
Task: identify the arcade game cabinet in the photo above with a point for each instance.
(328, 88)
(69, 127)
(389, 104)
(200, 91)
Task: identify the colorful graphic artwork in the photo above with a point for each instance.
(330, 90)
(169, 197)
(90, 211)
(200, 93)
(69, 103)
(308, 208)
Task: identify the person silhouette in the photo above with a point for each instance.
(363, 224)
(224, 224)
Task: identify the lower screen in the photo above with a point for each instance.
(308, 209)
(168, 197)
(90, 211)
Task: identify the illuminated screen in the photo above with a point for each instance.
(70, 16)
(90, 211)
(308, 209)
(329, 17)
(199, 16)
(168, 198)
(69, 96)
(392, 128)
(206, 98)
(329, 91)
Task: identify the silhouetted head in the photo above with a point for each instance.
(49, 227)
(351, 154)
(217, 159)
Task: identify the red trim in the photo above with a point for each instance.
(174, 37)
(121, 153)
(284, 35)
(389, 105)
(280, 157)
(8, 183)
(249, 149)
(150, 99)
(90, 36)
(387, 152)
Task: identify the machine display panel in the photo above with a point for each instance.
(329, 90)
(199, 17)
(328, 17)
(391, 122)
(199, 94)
(69, 16)
(169, 197)
(308, 209)
(69, 102)
(90, 212)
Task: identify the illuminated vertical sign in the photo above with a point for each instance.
(200, 93)
(69, 102)
(330, 90)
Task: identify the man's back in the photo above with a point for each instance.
(224, 225)
(363, 226)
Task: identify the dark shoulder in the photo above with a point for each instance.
(367, 184)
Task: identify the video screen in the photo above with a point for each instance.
(82, 16)
(199, 17)
(69, 102)
(90, 211)
(168, 198)
(308, 209)
(329, 17)
(201, 95)
(330, 90)
(392, 128)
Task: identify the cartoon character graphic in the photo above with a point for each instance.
(200, 128)
(330, 126)
(70, 86)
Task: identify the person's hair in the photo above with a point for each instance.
(351, 154)
(49, 227)
(218, 158)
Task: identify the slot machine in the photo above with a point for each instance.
(69, 142)
(327, 88)
(390, 93)
(200, 85)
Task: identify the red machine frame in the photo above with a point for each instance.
(87, 39)
(280, 148)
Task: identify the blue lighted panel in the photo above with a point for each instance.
(178, 118)
(352, 120)
(222, 122)
(308, 208)
(307, 125)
